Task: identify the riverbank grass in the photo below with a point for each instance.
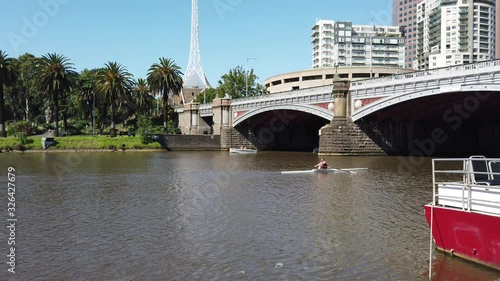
(78, 142)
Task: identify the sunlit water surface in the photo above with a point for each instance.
(216, 216)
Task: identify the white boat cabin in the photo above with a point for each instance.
(471, 184)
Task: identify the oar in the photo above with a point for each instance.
(345, 171)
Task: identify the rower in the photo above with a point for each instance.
(322, 164)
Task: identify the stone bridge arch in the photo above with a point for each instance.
(324, 113)
(481, 91)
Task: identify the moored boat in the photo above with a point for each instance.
(242, 151)
(464, 215)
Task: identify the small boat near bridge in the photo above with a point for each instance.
(242, 151)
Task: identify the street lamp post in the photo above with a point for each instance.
(246, 77)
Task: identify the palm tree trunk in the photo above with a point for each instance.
(165, 113)
(113, 132)
(65, 116)
(3, 134)
(56, 114)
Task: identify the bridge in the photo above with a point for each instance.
(422, 100)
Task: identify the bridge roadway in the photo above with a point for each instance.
(371, 95)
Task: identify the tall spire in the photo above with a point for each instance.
(194, 78)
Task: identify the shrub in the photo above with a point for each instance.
(15, 128)
(145, 126)
(19, 147)
(172, 128)
(23, 138)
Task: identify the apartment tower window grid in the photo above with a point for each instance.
(497, 27)
(453, 32)
(343, 44)
(404, 14)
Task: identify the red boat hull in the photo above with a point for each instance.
(472, 236)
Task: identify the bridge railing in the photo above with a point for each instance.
(372, 83)
(443, 72)
(206, 109)
(285, 95)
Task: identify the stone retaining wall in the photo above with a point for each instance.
(193, 142)
(233, 138)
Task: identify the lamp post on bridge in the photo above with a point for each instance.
(246, 77)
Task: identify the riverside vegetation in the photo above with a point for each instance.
(77, 143)
(21, 140)
(38, 94)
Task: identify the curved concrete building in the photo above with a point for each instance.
(324, 76)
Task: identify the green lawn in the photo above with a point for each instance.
(80, 142)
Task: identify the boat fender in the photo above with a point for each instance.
(452, 252)
(474, 251)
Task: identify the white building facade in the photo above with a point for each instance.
(322, 40)
(344, 44)
(453, 32)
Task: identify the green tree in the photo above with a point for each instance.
(165, 79)
(209, 95)
(143, 98)
(28, 96)
(8, 76)
(234, 85)
(87, 92)
(114, 81)
(57, 77)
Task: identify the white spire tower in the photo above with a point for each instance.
(194, 78)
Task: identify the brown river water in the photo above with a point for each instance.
(216, 216)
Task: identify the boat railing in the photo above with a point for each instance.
(471, 184)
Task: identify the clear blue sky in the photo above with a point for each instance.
(136, 33)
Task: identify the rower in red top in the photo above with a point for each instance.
(322, 164)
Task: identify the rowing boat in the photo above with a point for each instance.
(350, 170)
(242, 150)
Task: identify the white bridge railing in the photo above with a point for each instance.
(302, 96)
(487, 72)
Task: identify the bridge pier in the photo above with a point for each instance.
(342, 136)
(221, 114)
(192, 122)
(189, 119)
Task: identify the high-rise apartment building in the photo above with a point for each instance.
(346, 44)
(322, 40)
(452, 32)
(404, 14)
(497, 27)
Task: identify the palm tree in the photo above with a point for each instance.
(165, 78)
(57, 76)
(87, 93)
(8, 75)
(114, 81)
(142, 96)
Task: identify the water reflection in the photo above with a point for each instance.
(211, 215)
(447, 268)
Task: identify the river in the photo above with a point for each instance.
(216, 216)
